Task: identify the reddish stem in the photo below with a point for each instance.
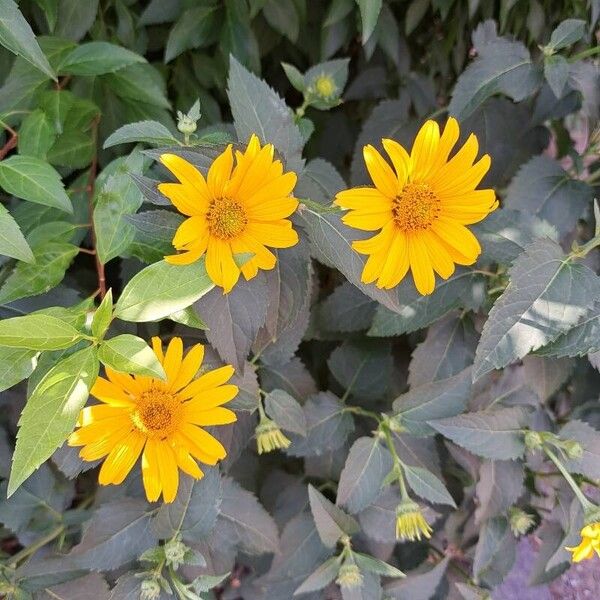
(10, 144)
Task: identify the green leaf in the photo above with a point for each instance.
(97, 58)
(194, 512)
(426, 485)
(331, 521)
(51, 412)
(285, 411)
(542, 282)
(189, 318)
(543, 188)
(579, 340)
(414, 15)
(103, 316)
(502, 66)
(52, 259)
(435, 400)
(258, 109)
(149, 132)
(33, 179)
(197, 27)
(369, 14)
(139, 82)
(161, 290)
(75, 18)
(38, 332)
(36, 135)
(321, 577)
(556, 72)
(16, 364)
(283, 18)
(495, 434)
(17, 36)
(237, 38)
(567, 33)
(12, 241)
(130, 354)
(374, 565)
(154, 233)
(366, 466)
(295, 77)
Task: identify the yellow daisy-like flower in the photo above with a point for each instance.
(420, 208)
(236, 209)
(410, 523)
(590, 543)
(159, 420)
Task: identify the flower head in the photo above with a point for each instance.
(420, 208)
(236, 209)
(520, 521)
(410, 522)
(590, 543)
(349, 576)
(160, 420)
(269, 436)
(325, 86)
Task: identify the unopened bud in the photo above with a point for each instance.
(175, 552)
(150, 590)
(533, 440)
(349, 576)
(185, 124)
(573, 449)
(520, 521)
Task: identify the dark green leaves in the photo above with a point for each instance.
(97, 58)
(542, 282)
(161, 290)
(17, 36)
(32, 179)
(51, 412)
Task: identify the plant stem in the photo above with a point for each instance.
(585, 54)
(397, 462)
(569, 479)
(33, 548)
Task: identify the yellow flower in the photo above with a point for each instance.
(420, 208)
(325, 86)
(237, 209)
(410, 522)
(159, 420)
(269, 436)
(590, 543)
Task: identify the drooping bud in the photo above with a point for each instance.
(520, 521)
(410, 523)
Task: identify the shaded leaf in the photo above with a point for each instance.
(285, 411)
(331, 521)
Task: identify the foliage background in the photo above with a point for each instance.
(323, 347)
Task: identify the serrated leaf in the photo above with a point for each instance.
(38, 332)
(346, 309)
(567, 33)
(247, 523)
(52, 259)
(581, 339)
(543, 188)
(258, 109)
(118, 532)
(149, 132)
(548, 294)
(434, 400)
(33, 179)
(418, 311)
(285, 411)
(16, 364)
(97, 58)
(36, 135)
(51, 412)
(234, 319)
(367, 464)
(194, 512)
(502, 66)
(327, 426)
(130, 354)
(426, 485)
(495, 434)
(162, 289)
(321, 577)
(154, 232)
(12, 241)
(331, 521)
(499, 487)
(17, 35)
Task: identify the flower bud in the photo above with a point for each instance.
(175, 552)
(185, 124)
(533, 440)
(269, 436)
(150, 589)
(573, 449)
(349, 576)
(325, 86)
(410, 522)
(520, 521)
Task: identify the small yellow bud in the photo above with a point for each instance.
(269, 436)
(325, 86)
(410, 522)
(349, 576)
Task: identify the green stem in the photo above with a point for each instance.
(584, 250)
(587, 505)
(358, 410)
(33, 548)
(585, 54)
(397, 462)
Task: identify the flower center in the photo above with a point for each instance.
(415, 207)
(325, 86)
(226, 218)
(157, 413)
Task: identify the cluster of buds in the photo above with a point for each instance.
(537, 440)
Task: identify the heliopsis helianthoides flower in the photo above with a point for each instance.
(238, 208)
(590, 543)
(160, 420)
(420, 208)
